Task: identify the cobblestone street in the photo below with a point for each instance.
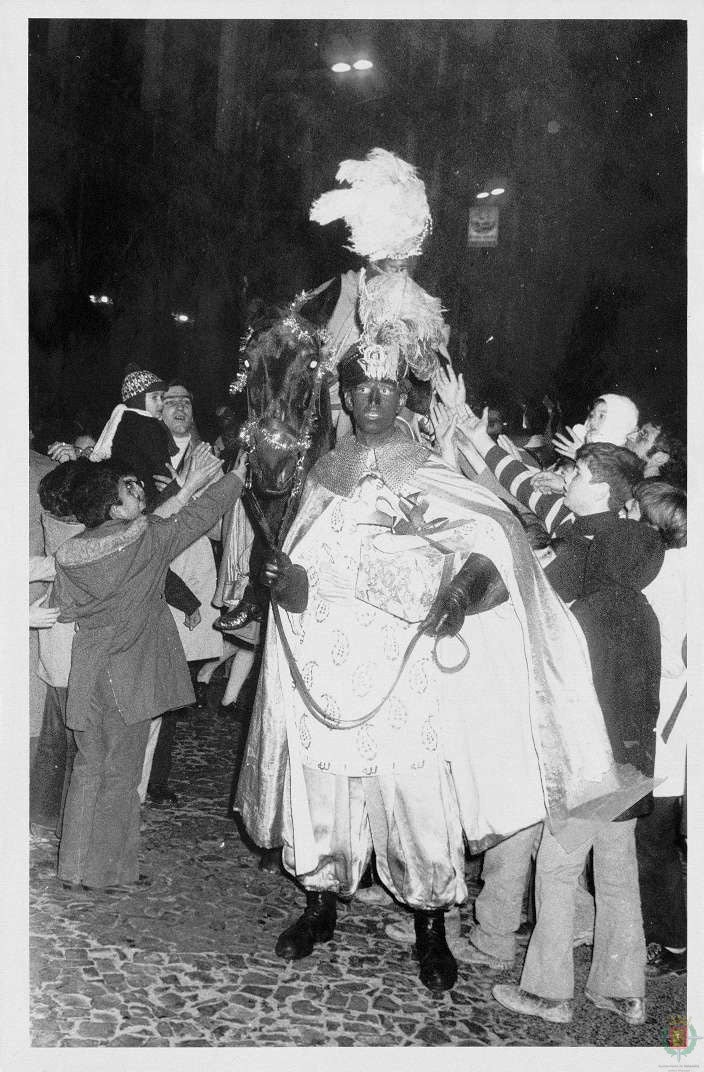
(190, 960)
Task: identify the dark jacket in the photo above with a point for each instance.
(110, 581)
(146, 445)
(604, 576)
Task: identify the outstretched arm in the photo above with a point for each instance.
(514, 476)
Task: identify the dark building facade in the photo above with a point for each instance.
(172, 164)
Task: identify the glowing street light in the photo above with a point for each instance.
(362, 65)
(341, 67)
(497, 190)
(101, 299)
(484, 193)
(182, 318)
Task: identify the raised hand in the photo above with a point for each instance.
(444, 423)
(62, 452)
(473, 426)
(567, 445)
(202, 468)
(450, 388)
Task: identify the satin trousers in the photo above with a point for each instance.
(411, 821)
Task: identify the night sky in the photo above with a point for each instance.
(172, 164)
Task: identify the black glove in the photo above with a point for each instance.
(476, 588)
(288, 582)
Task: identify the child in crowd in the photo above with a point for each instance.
(127, 662)
(135, 433)
(601, 567)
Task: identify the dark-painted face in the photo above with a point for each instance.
(375, 405)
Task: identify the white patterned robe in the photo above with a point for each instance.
(520, 725)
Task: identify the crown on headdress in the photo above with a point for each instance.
(396, 311)
(378, 362)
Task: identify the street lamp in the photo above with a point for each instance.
(493, 187)
(342, 66)
(342, 56)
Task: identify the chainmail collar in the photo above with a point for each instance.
(343, 469)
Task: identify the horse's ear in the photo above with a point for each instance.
(321, 305)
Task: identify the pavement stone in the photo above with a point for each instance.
(189, 961)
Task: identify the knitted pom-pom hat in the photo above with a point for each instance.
(139, 381)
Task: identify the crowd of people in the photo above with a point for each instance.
(475, 649)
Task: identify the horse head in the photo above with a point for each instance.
(282, 367)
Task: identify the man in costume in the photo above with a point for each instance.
(386, 210)
(405, 682)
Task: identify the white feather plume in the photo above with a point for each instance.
(385, 206)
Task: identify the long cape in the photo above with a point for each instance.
(571, 772)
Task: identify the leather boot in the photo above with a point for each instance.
(246, 611)
(317, 924)
(438, 967)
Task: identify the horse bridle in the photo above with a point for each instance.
(253, 432)
(300, 446)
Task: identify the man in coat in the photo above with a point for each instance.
(195, 566)
(127, 661)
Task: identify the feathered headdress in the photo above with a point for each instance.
(393, 309)
(385, 207)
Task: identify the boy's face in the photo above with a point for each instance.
(595, 421)
(132, 499)
(642, 441)
(581, 495)
(154, 402)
